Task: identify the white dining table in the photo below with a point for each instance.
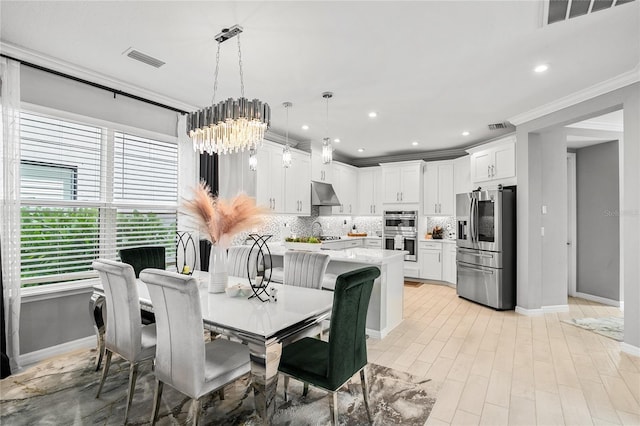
(264, 326)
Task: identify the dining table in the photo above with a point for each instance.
(265, 326)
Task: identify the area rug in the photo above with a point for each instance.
(611, 327)
(61, 391)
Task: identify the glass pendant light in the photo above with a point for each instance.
(253, 160)
(286, 151)
(327, 149)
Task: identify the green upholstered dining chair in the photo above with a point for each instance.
(329, 365)
(141, 258)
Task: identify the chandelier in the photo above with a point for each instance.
(327, 149)
(231, 125)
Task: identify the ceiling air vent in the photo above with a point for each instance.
(498, 126)
(139, 56)
(561, 10)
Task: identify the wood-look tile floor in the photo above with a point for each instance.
(502, 368)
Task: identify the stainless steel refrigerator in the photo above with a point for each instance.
(486, 247)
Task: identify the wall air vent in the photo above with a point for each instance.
(561, 10)
(139, 56)
(499, 126)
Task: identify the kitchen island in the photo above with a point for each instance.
(386, 304)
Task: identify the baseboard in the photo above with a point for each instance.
(598, 299)
(555, 308)
(630, 349)
(42, 354)
(375, 334)
(529, 312)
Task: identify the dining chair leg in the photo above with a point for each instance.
(133, 376)
(333, 406)
(286, 388)
(365, 393)
(196, 407)
(105, 371)
(157, 395)
(305, 389)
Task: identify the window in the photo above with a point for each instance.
(86, 192)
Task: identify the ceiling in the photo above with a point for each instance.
(604, 128)
(430, 69)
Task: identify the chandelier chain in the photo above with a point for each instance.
(240, 64)
(215, 79)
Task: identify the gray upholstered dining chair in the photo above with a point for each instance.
(125, 335)
(238, 257)
(183, 360)
(305, 268)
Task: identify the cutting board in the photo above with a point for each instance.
(357, 234)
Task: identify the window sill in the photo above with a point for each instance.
(52, 291)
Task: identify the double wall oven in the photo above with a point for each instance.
(401, 232)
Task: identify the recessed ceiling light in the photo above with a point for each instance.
(336, 140)
(414, 143)
(541, 68)
(465, 133)
(373, 114)
(360, 149)
(305, 127)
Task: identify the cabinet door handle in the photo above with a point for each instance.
(397, 196)
(488, 171)
(493, 170)
(401, 196)
(349, 208)
(439, 257)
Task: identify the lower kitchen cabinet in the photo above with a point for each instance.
(430, 255)
(449, 263)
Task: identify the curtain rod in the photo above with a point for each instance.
(96, 85)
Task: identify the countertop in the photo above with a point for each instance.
(442, 240)
(354, 255)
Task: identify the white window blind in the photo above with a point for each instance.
(87, 192)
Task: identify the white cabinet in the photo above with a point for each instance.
(344, 183)
(449, 262)
(430, 255)
(270, 178)
(369, 183)
(297, 180)
(438, 189)
(495, 162)
(462, 175)
(401, 182)
(373, 243)
(320, 172)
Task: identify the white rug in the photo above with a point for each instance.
(61, 391)
(611, 327)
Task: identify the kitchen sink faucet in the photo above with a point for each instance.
(313, 229)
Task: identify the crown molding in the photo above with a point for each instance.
(26, 55)
(443, 154)
(598, 89)
(597, 125)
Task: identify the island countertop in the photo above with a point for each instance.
(352, 255)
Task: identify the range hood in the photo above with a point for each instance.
(322, 194)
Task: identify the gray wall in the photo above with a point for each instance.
(598, 224)
(531, 288)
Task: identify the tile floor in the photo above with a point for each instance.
(504, 368)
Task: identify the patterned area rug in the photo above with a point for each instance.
(611, 327)
(61, 391)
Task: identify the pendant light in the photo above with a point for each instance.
(253, 160)
(327, 149)
(232, 125)
(286, 151)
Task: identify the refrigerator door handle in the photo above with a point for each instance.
(484, 271)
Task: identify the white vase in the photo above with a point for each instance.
(218, 269)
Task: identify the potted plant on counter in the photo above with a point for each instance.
(303, 243)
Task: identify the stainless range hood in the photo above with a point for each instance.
(322, 194)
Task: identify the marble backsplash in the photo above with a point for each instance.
(448, 224)
(281, 226)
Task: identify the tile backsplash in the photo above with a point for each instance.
(448, 224)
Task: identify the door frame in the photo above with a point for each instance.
(572, 229)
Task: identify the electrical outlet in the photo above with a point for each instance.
(544, 209)
(542, 231)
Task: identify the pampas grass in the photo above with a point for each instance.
(222, 219)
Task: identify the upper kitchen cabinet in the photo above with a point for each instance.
(270, 178)
(401, 182)
(462, 175)
(297, 180)
(438, 188)
(344, 178)
(494, 163)
(369, 184)
(320, 172)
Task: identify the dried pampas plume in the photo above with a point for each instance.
(222, 219)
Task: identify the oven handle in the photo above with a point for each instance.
(484, 271)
